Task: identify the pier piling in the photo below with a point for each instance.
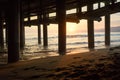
(22, 30)
(17, 14)
(61, 17)
(90, 23)
(107, 28)
(1, 34)
(45, 32)
(39, 29)
(13, 23)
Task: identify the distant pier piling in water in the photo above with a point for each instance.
(107, 28)
(39, 30)
(16, 11)
(1, 33)
(90, 23)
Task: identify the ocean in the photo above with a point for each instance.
(76, 42)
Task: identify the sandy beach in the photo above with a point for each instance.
(102, 64)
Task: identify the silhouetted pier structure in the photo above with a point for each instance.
(18, 13)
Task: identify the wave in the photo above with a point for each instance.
(115, 41)
(72, 36)
(73, 39)
(78, 43)
(115, 34)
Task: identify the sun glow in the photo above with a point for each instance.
(76, 28)
(71, 27)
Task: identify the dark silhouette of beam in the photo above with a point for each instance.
(13, 24)
(61, 18)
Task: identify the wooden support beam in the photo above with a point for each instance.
(13, 23)
(51, 7)
(45, 32)
(108, 9)
(79, 8)
(39, 21)
(39, 34)
(61, 17)
(6, 35)
(29, 21)
(45, 35)
(22, 37)
(32, 22)
(1, 35)
(22, 30)
(107, 29)
(73, 20)
(99, 6)
(90, 30)
(52, 20)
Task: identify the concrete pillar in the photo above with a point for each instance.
(1, 35)
(90, 23)
(13, 23)
(61, 18)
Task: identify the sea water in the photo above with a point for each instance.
(74, 41)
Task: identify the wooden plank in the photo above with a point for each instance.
(109, 9)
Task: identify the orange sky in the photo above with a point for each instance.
(82, 26)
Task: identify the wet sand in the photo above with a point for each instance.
(103, 64)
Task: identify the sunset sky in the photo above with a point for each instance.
(82, 25)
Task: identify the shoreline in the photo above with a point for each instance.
(101, 64)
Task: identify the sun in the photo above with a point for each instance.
(71, 27)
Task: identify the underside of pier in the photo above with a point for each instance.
(16, 14)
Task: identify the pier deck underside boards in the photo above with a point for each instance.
(93, 14)
(35, 6)
(41, 7)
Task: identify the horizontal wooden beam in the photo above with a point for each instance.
(51, 20)
(50, 6)
(95, 14)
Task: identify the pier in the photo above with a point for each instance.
(16, 14)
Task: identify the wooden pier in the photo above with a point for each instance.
(14, 12)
